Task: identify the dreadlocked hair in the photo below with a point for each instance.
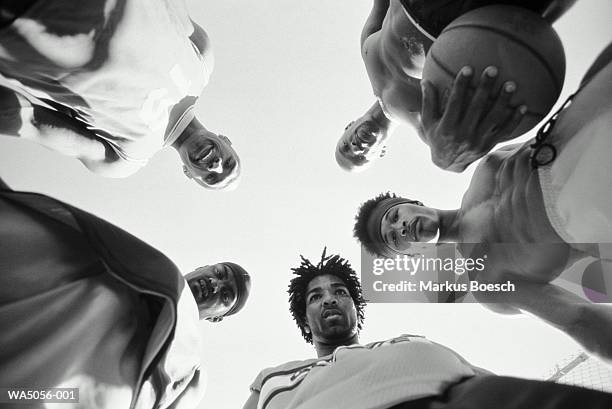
(360, 230)
(306, 272)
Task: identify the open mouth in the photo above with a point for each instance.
(412, 230)
(203, 154)
(331, 313)
(201, 288)
(365, 139)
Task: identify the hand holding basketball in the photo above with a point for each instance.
(525, 58)
(471, 123)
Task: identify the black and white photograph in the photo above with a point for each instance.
(374, 204)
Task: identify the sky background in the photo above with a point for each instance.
(288, 78)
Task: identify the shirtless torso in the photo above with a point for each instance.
(394, 57)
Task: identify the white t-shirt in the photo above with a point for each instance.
(130, 71)
(372, 376)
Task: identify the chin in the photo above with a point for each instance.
(339, 333)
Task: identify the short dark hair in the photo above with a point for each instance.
(360, 230)
(306, 272)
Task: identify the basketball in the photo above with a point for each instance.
(520, 43)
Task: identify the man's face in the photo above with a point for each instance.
(404, 224)
(330, 312)
(214, 289)
(361, 144)
(210, 160)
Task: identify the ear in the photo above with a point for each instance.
(214, 319)
(187, 172)
(225, 139)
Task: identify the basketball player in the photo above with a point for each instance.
(405, 372)
(547, 201)
(394, 42)
(110, 83)
(84, 304)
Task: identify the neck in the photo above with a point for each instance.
(324, 348)
(194, 127)
(377, 114)
(449, 225)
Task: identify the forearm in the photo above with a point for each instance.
(587, 323)
(557, 9)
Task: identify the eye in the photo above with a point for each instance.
(394, 238)
(341, 291)
(314, 297)
(226, 297)
(395, 216)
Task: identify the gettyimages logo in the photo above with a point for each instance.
(440, 273)
(413, 264)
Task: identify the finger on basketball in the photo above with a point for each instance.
(501, 112)
(480, 101)
(457, 99)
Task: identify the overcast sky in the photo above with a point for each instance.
(288, 78)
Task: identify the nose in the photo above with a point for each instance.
(357, 147)
(216, 166)
(330, 300)
(214, 283)
(403, 229)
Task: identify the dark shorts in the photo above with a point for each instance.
(500, 392)
(434, 15)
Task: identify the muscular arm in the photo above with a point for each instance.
(588, 324)
(252, 402)
(557, 9)
(19, 118)
(375, 19)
